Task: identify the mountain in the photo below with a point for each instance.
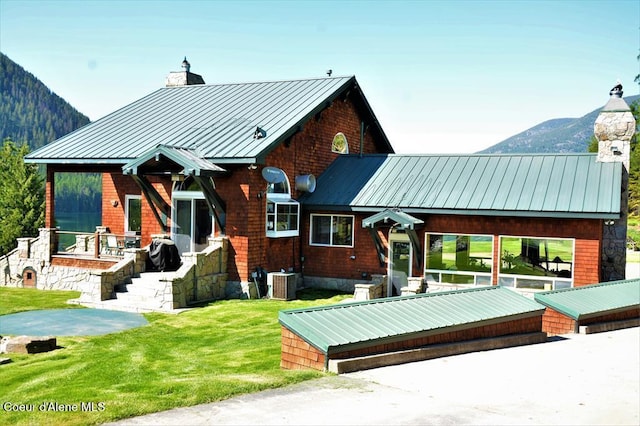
(556, 135)
(29, 111)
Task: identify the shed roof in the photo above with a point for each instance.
(551, 185)
(218, 121)
(338, 328)
(593, 300)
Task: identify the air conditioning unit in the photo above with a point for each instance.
(281, 285)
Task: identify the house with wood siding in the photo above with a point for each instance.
(299, 178)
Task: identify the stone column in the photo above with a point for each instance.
(48, 239)
(614, 128)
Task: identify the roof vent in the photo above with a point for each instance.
(259, 133)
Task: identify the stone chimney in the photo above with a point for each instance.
(614, 128)
(184, 77)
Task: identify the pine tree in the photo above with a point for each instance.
(21, 196)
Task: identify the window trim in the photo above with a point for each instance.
(127, 198)
(554, 279)
(474, 274)
(274, 233)
(190, 196)
(279, 196)
(311, 243)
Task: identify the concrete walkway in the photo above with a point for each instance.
(570, 380)
(69, 322)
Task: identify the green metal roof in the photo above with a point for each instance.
(338, 328)
(232, 123)
(545, 185)
(593, 300)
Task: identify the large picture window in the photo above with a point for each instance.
(536, 263)
(459, 259)
(331, 230)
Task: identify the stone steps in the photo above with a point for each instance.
(143, 294)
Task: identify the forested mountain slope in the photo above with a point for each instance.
(30, 112)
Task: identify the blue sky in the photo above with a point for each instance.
(441, 76)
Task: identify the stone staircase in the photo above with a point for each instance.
(145, 293)
(127, 286)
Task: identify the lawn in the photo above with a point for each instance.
(207, 354)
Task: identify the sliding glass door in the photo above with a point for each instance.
(192, 221)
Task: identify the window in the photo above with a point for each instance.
(459, 259)
(339, 144)
(283, 219)
(133, 213)
(192, 222)
(536, 263)
(331, 230)
(283, 213)
(280, 189)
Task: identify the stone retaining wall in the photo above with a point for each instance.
(202, 276)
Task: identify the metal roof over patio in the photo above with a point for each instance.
(594, 300)
(339, 328)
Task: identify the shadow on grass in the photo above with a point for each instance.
(318, 293)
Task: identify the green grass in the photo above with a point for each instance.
(13, 300)
(207, 354)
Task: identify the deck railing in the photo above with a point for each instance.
(96, 244)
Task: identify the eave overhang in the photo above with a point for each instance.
(496, 213)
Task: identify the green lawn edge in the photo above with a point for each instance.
(202, 355)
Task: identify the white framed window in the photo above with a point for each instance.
(331, 230)
(283, 212)
(459, 258)
(283, 219)
(536, 263)
(133, 213)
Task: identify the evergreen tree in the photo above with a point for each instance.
(21, 196)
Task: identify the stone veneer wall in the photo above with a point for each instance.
(34, 253)
(614, 129)
(202, 276)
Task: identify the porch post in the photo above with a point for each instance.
(50, 220)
